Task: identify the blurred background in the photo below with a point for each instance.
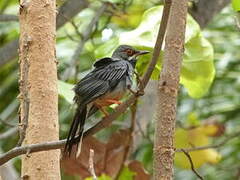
(208, 102)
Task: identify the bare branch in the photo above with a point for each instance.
(230, 137)
(8, 17)
(91, 164)
(6, 123)
(8, 133)
(191, 162)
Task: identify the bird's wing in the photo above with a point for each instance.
(103, 62)
(101, 80)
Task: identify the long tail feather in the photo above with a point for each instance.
(76, 130)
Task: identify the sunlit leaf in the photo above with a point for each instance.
(126, 174)
(236, 5)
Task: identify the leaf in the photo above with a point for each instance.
(188, 138)
(236, 5)
(126, 174)
(65, 91)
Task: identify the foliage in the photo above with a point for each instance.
(219, 96)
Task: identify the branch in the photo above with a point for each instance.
(191, 162)
(168, 91)
(69, 9)
(85, 36)
(8, 17)
(8, 133)
(230, 137)
(91, 164)
(106, 121)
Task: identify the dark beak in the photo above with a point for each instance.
(138, 53)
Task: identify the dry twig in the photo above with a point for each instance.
(8, 17)
(91, 164)
(191, 162)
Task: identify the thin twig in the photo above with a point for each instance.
(106, 121)
(91, 164)
(8, 133)
(230, 137)
(85, 36)
(191, 162)
(130, 142)
(8, 17)
(6, 123)
(24, 95)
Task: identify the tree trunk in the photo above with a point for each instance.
(168, 90)
(38, 87)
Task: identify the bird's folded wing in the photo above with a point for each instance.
(101, 80)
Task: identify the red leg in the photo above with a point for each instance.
(113, 101)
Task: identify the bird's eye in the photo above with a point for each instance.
(129, 52)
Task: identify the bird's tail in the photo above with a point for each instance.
(76, 130)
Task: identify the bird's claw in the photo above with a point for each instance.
(136, 93)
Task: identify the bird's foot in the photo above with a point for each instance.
(113, 101)
(136, 93)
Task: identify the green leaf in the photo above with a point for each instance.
(65, 91)
(236, 5)
(126, 174)
(197, 71)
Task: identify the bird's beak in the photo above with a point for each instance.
(138, 53)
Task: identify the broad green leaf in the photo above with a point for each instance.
(198, 69)
(236, 5)
(126, 174)
(65, 91)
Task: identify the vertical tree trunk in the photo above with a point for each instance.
(38, 87)
(168, 90)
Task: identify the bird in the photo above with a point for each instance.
(105, 85)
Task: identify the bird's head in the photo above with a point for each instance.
(126, 52)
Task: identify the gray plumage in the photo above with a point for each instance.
(109, 79)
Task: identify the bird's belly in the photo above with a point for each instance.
(114, 95)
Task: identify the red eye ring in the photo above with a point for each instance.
(129, 52)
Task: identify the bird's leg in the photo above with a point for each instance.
(113, 101)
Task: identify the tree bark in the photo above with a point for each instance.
(38, 87)
(168, 90)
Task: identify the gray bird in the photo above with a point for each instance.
(104, 85)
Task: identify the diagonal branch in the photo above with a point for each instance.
(106, 121)
(191, 163)
(8, 17)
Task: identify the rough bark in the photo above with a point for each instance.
(204, 10)
(168, 90)
(38, 86)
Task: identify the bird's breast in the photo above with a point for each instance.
(116, 94)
